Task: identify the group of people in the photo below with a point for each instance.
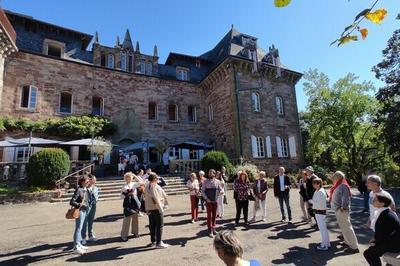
(143, 193)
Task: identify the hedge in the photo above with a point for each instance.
(215, 160)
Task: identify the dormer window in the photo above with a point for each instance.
(182, 74)
(197, 63)
(53, 48)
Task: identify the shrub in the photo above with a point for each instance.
(215, 160)
(46, 166)
(251, 170)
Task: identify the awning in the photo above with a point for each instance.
(192, 145)
(85, 142)
(10, 142)
(139, 146)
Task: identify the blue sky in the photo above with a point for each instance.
(302, 31)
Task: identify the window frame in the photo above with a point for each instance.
(260, 147)
(284, 147)
(142, 67)
(47, 42)
(279, 105)
(109, 56)
(182, 74)
(193, 117)
(123, 59)
(149, 68)
(101, 108)
(155, 111)
(256, 102)
(176, 113)
(29, 97)
(210, 112)
(59, 103)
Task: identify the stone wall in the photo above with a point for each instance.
(120, 91)
(1, 77)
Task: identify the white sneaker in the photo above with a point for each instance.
(193, 222)
(83, 241)
(79, 251)
(83, 247)
(141, 214)
(323, 248)
(162, 245)
(91, 239)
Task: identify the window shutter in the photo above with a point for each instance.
(254, 146)
(268, 146)
(279, 147)
(292, 147)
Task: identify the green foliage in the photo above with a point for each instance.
(251, 170)
(69, 126)
(215, 160)
(340, 125)
(46, 166)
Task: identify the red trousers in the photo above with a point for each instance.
(194, 202)
(211, 214)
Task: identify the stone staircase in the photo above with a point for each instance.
(110, 188)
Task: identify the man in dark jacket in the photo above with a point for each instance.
(281, 191)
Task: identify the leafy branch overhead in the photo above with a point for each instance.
(349, 34)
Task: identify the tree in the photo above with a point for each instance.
(389, 96)
(340, 120)
(347, 35)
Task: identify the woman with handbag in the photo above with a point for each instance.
(80, 201)
(193, 186)
(131, 207)
(241, 195)
(260, 189)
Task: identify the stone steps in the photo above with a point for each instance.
(110, 188)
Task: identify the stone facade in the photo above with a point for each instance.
(219, 86)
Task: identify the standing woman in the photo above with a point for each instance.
(193, 186)
(241, 196)
(220, 200)
(302, 185)
(81, 201)
(201, 181)
(129, 192)
(88, 224)
(339, 196)
(260, 189)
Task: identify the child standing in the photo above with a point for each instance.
(319, 207)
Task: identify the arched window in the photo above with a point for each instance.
(192, 113)
(153, 111)
(97, 105)
(210, 112)
(255, 98)
(65, 103)
(123, 61)
(28, 97)
(279, 105)
(172, 112)
(110, 61)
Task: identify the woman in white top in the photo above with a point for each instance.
(220, 200)
(193, 186)
(319, 207)
(130, 189)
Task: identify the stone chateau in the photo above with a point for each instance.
(235, 97)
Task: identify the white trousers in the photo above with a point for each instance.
(220, 205)
(262, 204)
(322, 228)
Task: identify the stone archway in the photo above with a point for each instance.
(129, 126)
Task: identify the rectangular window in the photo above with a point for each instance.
(260, 147)
(21, 154)
(142, 67)
(130, 63)
(182, 74)
(210, 113)
(149, 68)
(197, 63)
(28, 97)
(110, 63)
(191, 113)
(123, 62)
(66, 103)
(103, 59)
(172, 112)
(284, 147)
(153, 111)
(97, 106)
(54, 50)
(174, 153)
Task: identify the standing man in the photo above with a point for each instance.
(156, 203)
(374, 183)
(210, 191)
(281, 191)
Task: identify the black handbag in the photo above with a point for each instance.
(251, 197)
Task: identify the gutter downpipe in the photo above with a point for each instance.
(238, 111)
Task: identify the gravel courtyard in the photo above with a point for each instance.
(39, 234)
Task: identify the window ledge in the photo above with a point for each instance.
(27, 110)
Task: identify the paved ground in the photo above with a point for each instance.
(39, 234)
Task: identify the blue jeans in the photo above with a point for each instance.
(88, 223)
(284, 197)
(78, 227)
